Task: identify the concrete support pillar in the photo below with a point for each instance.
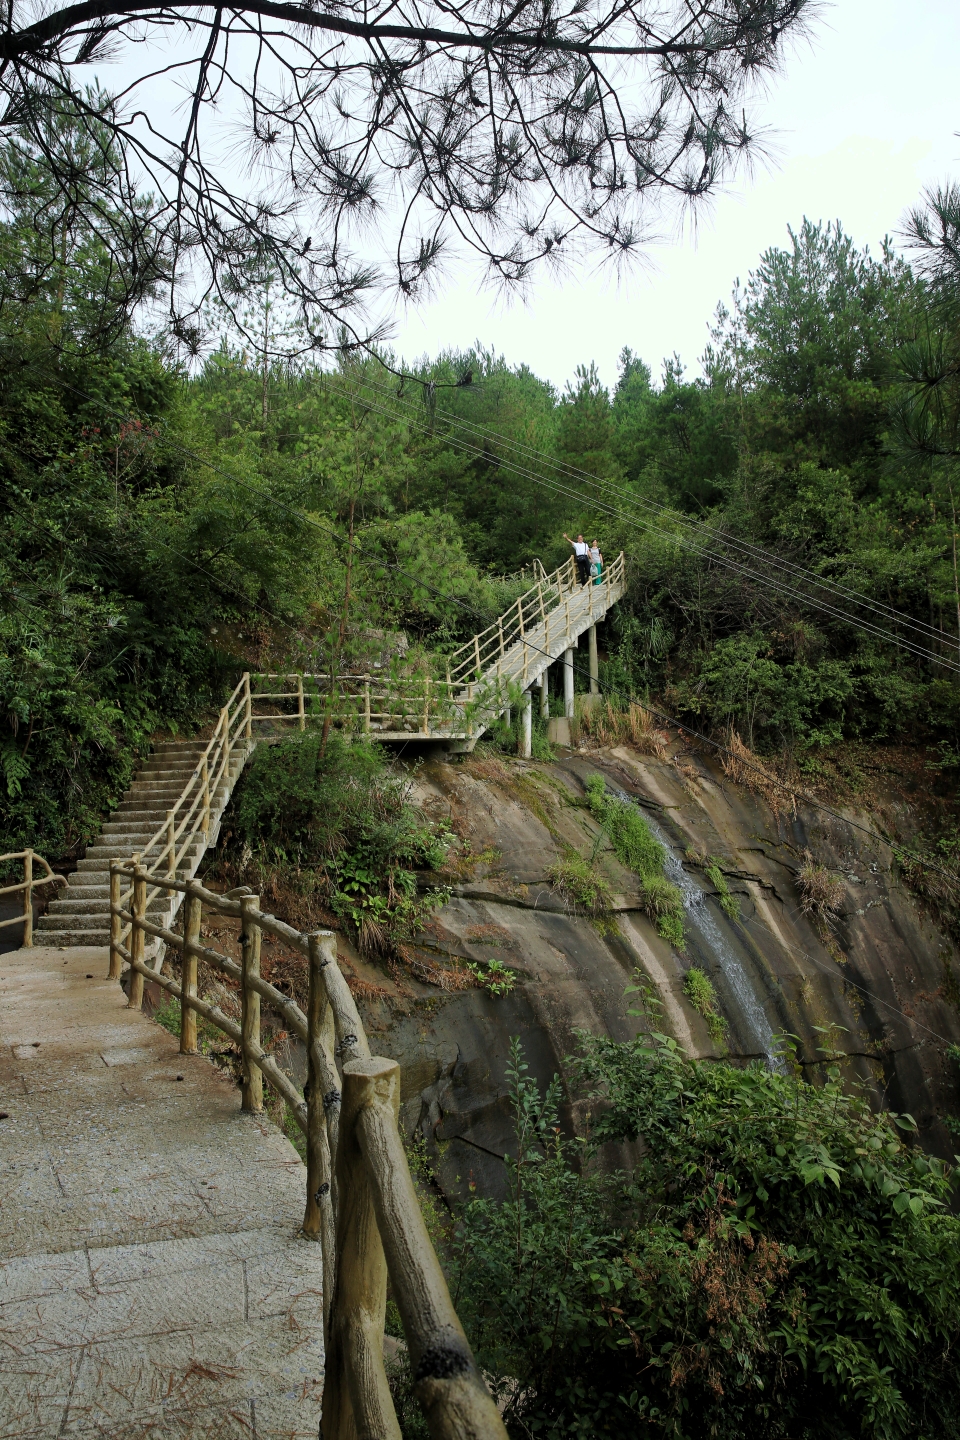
(568, 682)
(545, 695)
(508, 715)
(526, 728)
(594, 662)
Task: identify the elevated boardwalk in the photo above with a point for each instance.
(457, 700)
(153, 1285)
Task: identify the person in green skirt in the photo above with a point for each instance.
(596, 562)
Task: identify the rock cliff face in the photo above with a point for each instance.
(879, 968)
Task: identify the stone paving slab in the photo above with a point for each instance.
(153, 1285)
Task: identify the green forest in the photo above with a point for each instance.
(171, 520)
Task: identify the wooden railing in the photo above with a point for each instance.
(28, 884)
(361, 1204)
(186, 826)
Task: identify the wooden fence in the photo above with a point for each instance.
(361, 1204)
(28, 884)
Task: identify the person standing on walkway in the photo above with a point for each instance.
(581, 554)
(596, 562)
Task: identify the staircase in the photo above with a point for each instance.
(82, 915)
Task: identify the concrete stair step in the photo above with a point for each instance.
(82, 906)
(121, 851)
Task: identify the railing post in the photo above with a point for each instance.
(227, 742)
(450, 1389)
(356, 1393)
(252, 1088)
(476, 651)
(568, 682)
(192, 915)
(366, 707)
(28, 899)
(526, 728)
(138, 909)
(594, 661)
(171, 848)
(318, 1217)
(116, 965)
(426, 709)
(301, 713)
(545, 694)
(248, 706)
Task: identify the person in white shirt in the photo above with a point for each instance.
(581, 554)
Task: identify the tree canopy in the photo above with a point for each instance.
(368, 145)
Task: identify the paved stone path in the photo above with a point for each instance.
(152, 1284)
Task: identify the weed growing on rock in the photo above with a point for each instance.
(728, 902)
(493, 976)
(820, 891)
(698, 988)
(642, 853)
(580, 884)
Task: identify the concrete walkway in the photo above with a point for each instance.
(152, 1284)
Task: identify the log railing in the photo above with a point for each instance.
(28, 884)
(361, 1204)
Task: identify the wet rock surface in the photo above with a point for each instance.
(878, 967)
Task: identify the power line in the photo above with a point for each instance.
(658, 511)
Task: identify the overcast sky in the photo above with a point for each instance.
(865, 116)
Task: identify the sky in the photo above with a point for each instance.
(864, 116)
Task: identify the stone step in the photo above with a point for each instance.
(63, 939)
(87, 892)
(94, 905)
(119, 849)
(132, 829)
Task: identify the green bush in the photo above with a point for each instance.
(340, 808)
(779, 1266)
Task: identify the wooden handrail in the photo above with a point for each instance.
(361, 1204)
(28, 884)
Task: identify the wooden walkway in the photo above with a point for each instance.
(153, 1285)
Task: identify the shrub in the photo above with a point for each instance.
(779, 1265)
(341, 809)
(820, 891)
